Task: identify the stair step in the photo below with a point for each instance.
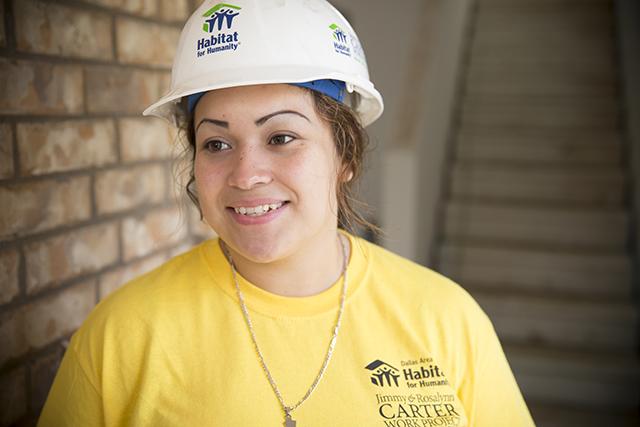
(494, 3)
(506, 81)
(547, 31)
(545, 415)
(525, 270)
(594, 71)
(609, 137)
(518, 42)
(566, 228)
(559, 323)
(565, 186)
(540, 16)
(566, 150)
(576, 379)
(540, 111)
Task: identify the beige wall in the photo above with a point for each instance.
(86, 183)
(414, 56)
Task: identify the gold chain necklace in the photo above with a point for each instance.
(288, 420)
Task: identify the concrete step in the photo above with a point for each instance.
(485, 145)
(550, 415)
(565, 186)
(513, 81)
(540, 226)
(588, 53)
(582, 381)
(549, 31)
(595, 71)
(524, 270)
(540, 111)
(559, 323)
(543, 42)
(538, 2)
(539, 16)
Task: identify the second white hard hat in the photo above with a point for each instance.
(268, 41)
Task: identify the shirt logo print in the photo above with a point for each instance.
(383, 374)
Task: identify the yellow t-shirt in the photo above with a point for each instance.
(171, 348)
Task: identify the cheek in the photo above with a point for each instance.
(207, 177)
(316, 172)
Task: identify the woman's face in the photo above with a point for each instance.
(265, 170)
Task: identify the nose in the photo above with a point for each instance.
(250, 168)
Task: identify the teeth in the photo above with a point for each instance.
(258, 210)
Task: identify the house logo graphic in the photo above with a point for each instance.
(218, 22)
(383, 374)
(218, 16)
(340, 40)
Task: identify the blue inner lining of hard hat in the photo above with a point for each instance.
(333, 88)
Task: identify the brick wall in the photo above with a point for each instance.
(88, 194)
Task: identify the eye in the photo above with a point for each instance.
(281, 139)
(215, 145)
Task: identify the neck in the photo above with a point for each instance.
(311, 270)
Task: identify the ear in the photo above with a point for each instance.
(346, 174)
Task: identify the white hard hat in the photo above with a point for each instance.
(268, 41)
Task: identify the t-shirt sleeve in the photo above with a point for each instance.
(491, 395)
(73, 399)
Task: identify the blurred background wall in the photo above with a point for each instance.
(87, 197)
(503, 159)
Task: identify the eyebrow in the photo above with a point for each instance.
(259, 122)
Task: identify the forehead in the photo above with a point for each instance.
(255, 100)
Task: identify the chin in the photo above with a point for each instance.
(262, 251)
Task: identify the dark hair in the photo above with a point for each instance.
(351, 141)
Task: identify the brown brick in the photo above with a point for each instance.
(118, 90)
(13, 395)
(146, 139)
(40, 88)
(122, 189)
(9, 262)
(175, 10)
(42, 322)
(6, 151)
(47, 147)
(145, 43)
(3, 37)
(38, 206)
(64, 257)
(43, 371)
(137, 7)
(111, 281)
(60, 30)
(156, 230)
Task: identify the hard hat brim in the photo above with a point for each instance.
(369, 107)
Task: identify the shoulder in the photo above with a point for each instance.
(166, 279)
(152, 296)
(416, 287)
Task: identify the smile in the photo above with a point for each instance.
(258, 210)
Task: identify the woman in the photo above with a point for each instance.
(285, 318)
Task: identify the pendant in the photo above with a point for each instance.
(288, 421)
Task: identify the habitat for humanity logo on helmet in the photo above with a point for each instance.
(218, 23)
(340, 40)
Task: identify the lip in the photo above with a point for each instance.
(256, 220)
